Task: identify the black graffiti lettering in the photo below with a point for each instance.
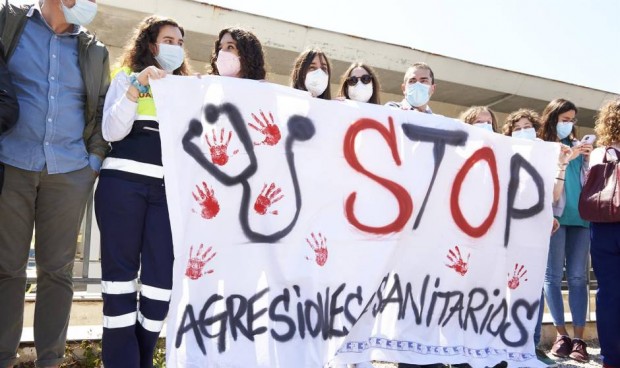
(330, 313)
(334, 311)
(310, 305)
(191, 326)
(431, 307)
(457, 307)
(300, 128)
(409, 296)
(394, 296)
(440, 138)
(517, 162)
(300, 313)
(503, 309)
(377, 306)
(470, 312)
(325, 324)
(254, 315)
(236, 314)
(220, 317)
(347, 309)
(530, 313)
(283, 299)
(488, 314)
(367, 306)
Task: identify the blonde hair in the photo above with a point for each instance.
(469, 116)
(515, 116)
(607, 125)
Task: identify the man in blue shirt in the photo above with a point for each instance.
(51, 157)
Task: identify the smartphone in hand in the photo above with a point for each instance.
(588, 139)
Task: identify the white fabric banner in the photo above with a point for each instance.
(309, 232)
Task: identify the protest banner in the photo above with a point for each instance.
(309, 232)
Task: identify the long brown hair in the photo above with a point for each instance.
(138, 54)
(300, 69)
(551, 115)
(376, 87)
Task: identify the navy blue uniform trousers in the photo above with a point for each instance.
(135, 239)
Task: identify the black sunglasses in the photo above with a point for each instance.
(366, 78)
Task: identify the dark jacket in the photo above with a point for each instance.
(9, 108)
(94, 64)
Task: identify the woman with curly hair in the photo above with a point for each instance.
(130, 200)
(605, 244)
(523, 123)
(238, 53)
(312, 72)
(570, 244)
(481, 117)
(360, 83)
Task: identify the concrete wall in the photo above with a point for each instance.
(460, 84)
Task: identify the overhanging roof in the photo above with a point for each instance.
(458, 82)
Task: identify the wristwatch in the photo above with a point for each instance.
(133, 79)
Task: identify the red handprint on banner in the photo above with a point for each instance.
(268, 128)
(219, 148)
(206, 198)
(319, 246)
(517, 275)
(266, 198)
(456, 261)
(197, 262)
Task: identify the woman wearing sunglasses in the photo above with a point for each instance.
(360, 83)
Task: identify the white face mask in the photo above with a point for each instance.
(484, 125)
(228, 64)
(82, 13)
(527, 133)
(418, 94)
(170, 57)
(360, 92)
(316, 82)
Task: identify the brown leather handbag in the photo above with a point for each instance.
(600, 196)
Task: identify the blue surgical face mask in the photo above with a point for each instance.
(170, 57)
(418, 94)
(82, 13)
(484, 125)
(564, 128)
(527, 133)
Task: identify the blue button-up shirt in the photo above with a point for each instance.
(52, 99)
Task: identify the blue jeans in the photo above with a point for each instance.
(538, 328)
(606, 263)
(569, 248)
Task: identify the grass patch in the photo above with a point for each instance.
(87, 354)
